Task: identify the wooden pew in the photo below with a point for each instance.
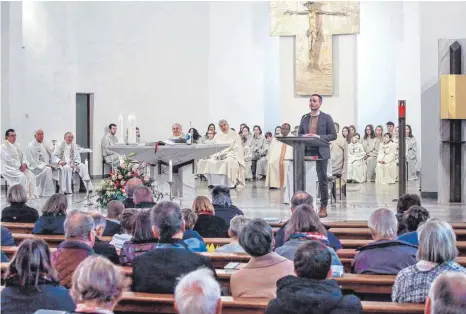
(365, 234)
(137, 302)
(16, 227)
(52, 240)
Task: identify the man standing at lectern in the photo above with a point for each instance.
(319, 124)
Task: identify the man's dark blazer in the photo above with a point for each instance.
(325, 129)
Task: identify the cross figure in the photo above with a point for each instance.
(313, 24)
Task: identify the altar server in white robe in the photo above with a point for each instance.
(371, 145)
(356, 163)
(110, 139)
(280, 156)
(67, 157)
(411, 153)
(261, 167)
(228, 162)
(39, 159)
(339, 158)
(14, 167)
(387, 169)
(247, 159)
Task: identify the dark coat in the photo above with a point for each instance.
(7, 237)
(49, 225)
(19, 212)
(333, 241)
(158, 271)
(111, 228)
(308, 296)
(106, 250)
(384, 257)
(325, 129)
(209, 226)
(145, 205)
(129, 203)
(19, 300)
(67, 257)
(227, 213)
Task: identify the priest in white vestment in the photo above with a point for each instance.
(39, 159)
(230, 161)
(110, 157)
(68, 159)
(177, 132)
(279, 157)
(14, 168)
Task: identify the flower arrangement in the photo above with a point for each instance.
(114, 187)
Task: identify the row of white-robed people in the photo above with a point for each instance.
(38, 167)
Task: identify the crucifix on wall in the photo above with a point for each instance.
(313, 24)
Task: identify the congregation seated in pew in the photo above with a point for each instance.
(18, 211)
(31, 282)
(190, 219)
(305, 226)
(142, 239)
(6, 237)
(312, 290)
(258, 278)
(386, 255)
(223, 205)
(236, 226)
(198, 292)
(415, 216)
(127, 218)
(404, 203)
(436, 254)
(100, 247)
(303, 198)
(79, 240)
(447, 294)
(53, 216)
(208, 224)
(143, 197)
(113, 225)
(157, 270)
(131, 185)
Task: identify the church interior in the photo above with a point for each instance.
(356, 103)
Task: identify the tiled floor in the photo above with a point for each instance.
(257, 201)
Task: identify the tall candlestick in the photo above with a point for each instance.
(170, 171)
(122, 129)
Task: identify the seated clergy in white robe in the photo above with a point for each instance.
(177, 132)
(339, 158)
(279, 157)
(229, 163)
(68, 159)
(387, 169)
(357, 166)
(40, 163)
(14, 168)
(110, 157)
(261, 166)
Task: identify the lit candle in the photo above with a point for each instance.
(122, 129)
(170, 171)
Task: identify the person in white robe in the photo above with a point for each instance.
(278, 131)
(110, 139)
(39, 160)
(228, 162)
(70, 168)
(356, 162)
(371, 145)
(14, 167)
(138, 136)
(387, 169)
(261, 166)
(339, 159)
(411, 154)
(177, 132)
(279, 158)
(209, 138)
(247, 159)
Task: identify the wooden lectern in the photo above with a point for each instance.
(299, 144)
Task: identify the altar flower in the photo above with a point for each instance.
(123, 165)
(120, 177)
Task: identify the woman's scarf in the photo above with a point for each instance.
(314, 236)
